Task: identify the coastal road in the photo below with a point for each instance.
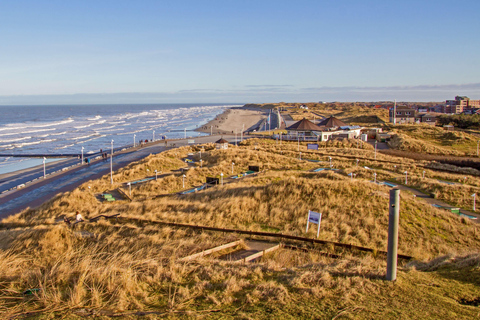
(41, 190)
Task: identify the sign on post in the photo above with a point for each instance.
(312, 146)
(314, 217)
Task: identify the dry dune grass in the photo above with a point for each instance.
(115, 268)
(433, 140)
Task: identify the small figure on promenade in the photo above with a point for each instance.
(88, 161)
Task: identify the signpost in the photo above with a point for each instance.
(314, 217)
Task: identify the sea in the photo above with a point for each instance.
(65, 129)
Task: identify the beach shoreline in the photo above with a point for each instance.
(233, 120)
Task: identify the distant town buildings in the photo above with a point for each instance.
(461, 104)
(404, 115)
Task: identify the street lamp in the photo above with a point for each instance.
(82, 154)
(357, 161)
(183, 180)
(221, 178)
(134, 140)
(111, 165)
(300, 156)
(201, 162)
(423, 174)
(211, 130)
(153, 136)
(376, 149)
(406, 177)
(130, 188)
(156, 175)
(330, 158)
(233, 163)
(375, 177)
(474, 196)
(44, 170)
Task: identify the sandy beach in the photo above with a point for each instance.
(232, 120)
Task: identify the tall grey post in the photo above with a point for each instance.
(393, 217)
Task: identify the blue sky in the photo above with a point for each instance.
(237, 51)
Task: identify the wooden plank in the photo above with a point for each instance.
(259, 254)
(123, 193)
(210, 251)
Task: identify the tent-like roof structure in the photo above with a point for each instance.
(304, 125)
(332, 122)
(221, 141)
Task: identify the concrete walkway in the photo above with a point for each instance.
(428, 199)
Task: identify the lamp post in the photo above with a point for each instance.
(134, 136)
(82, 154)
(153, 136)
(201, 163)
(474, 196)
(130, 188)
(44, 169)
(376, 149)
(300, 155)
(211, 130)
(111, 165)
(233, 163)
(156, 175)
(330, 158)
(183, 180)
(406, 177)
(375, 177)
(423, 177)
(221, 178)
(357, 161)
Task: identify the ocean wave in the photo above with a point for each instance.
(64, 147)
(26, 132)
(15, 140)
(21, 145)
(105, 128)
(84, 137)
(17, 126)
(97, 117)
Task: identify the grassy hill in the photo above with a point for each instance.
(132, 270)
